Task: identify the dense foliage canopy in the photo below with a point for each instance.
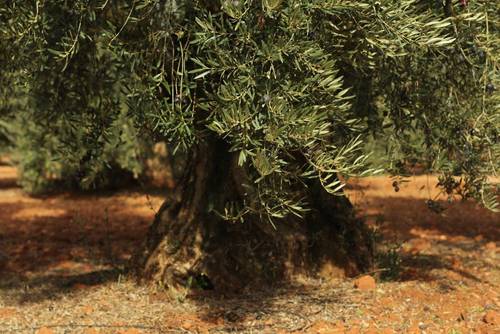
(295, 88)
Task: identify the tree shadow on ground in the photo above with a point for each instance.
(407, 218)
(462, 229)
(37, 238)
(51, 243)
(7, 183)
(8, 176)
(423, 267)
(44, 287)
(283, 307)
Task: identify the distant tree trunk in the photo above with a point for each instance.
(188, 245)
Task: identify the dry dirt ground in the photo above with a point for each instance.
(61, 259)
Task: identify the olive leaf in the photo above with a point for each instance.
(233, 8)
(262, 163)
(270, 5)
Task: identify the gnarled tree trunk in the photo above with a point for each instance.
(189, 245)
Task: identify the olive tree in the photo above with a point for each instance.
(271, 103)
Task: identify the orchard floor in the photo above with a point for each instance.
(61, 259)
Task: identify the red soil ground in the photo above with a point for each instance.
(61, 258)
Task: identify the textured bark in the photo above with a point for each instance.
(188, 245)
